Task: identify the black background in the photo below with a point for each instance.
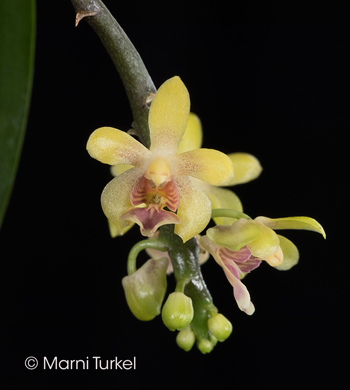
(278, 90)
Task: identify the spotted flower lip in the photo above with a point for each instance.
(160, 177)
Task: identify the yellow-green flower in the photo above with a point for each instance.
(246, 168)
(160, 177)
(240, 248)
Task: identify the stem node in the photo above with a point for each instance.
(83, 14)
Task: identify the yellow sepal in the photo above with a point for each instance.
(245, 166)
(112, 146)
(208, 165)
(168, 116)
(299, 223)
(192, 139)
(194, 210)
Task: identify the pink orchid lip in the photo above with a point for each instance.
(150, 218)
(235, 265)
(166, 196)
(242, 258)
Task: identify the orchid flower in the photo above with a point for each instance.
(160, 177)
(246, 168)
(242, 246)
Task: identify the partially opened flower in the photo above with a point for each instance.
(240, 248)
(159, 178)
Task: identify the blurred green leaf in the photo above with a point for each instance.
(17, 42)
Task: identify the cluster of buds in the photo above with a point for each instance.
(145, 291)
(172, 191)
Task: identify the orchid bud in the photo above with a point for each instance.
(220, 327)
(145, 289)
(204, 345)
(185, 339)
(177, 311)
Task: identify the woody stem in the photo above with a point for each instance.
(135, 77)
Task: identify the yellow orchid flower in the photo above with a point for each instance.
(160, 177)
(246, 167)
(240, 248)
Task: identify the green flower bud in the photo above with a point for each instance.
(220, 327)
(185, 339)
(145, 289)
(177, 311)
(204, 345)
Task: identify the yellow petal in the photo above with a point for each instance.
(299, 223)
(168, 116)
(194, 210)
(115, 232)
(275, 259)
(266, 244)
(290, 254)
(235, 236)
(112, 146)
(115, 198)
(116, 170)
(192, 139)
(208, 165)
(222, 198)
(245, 166)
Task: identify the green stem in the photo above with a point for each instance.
(135, 77)
(185, 261)
(153, 243)
(181, 284)
(228, 213)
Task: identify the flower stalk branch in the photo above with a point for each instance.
(185, 261)
(154, 243)
(135, 77)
